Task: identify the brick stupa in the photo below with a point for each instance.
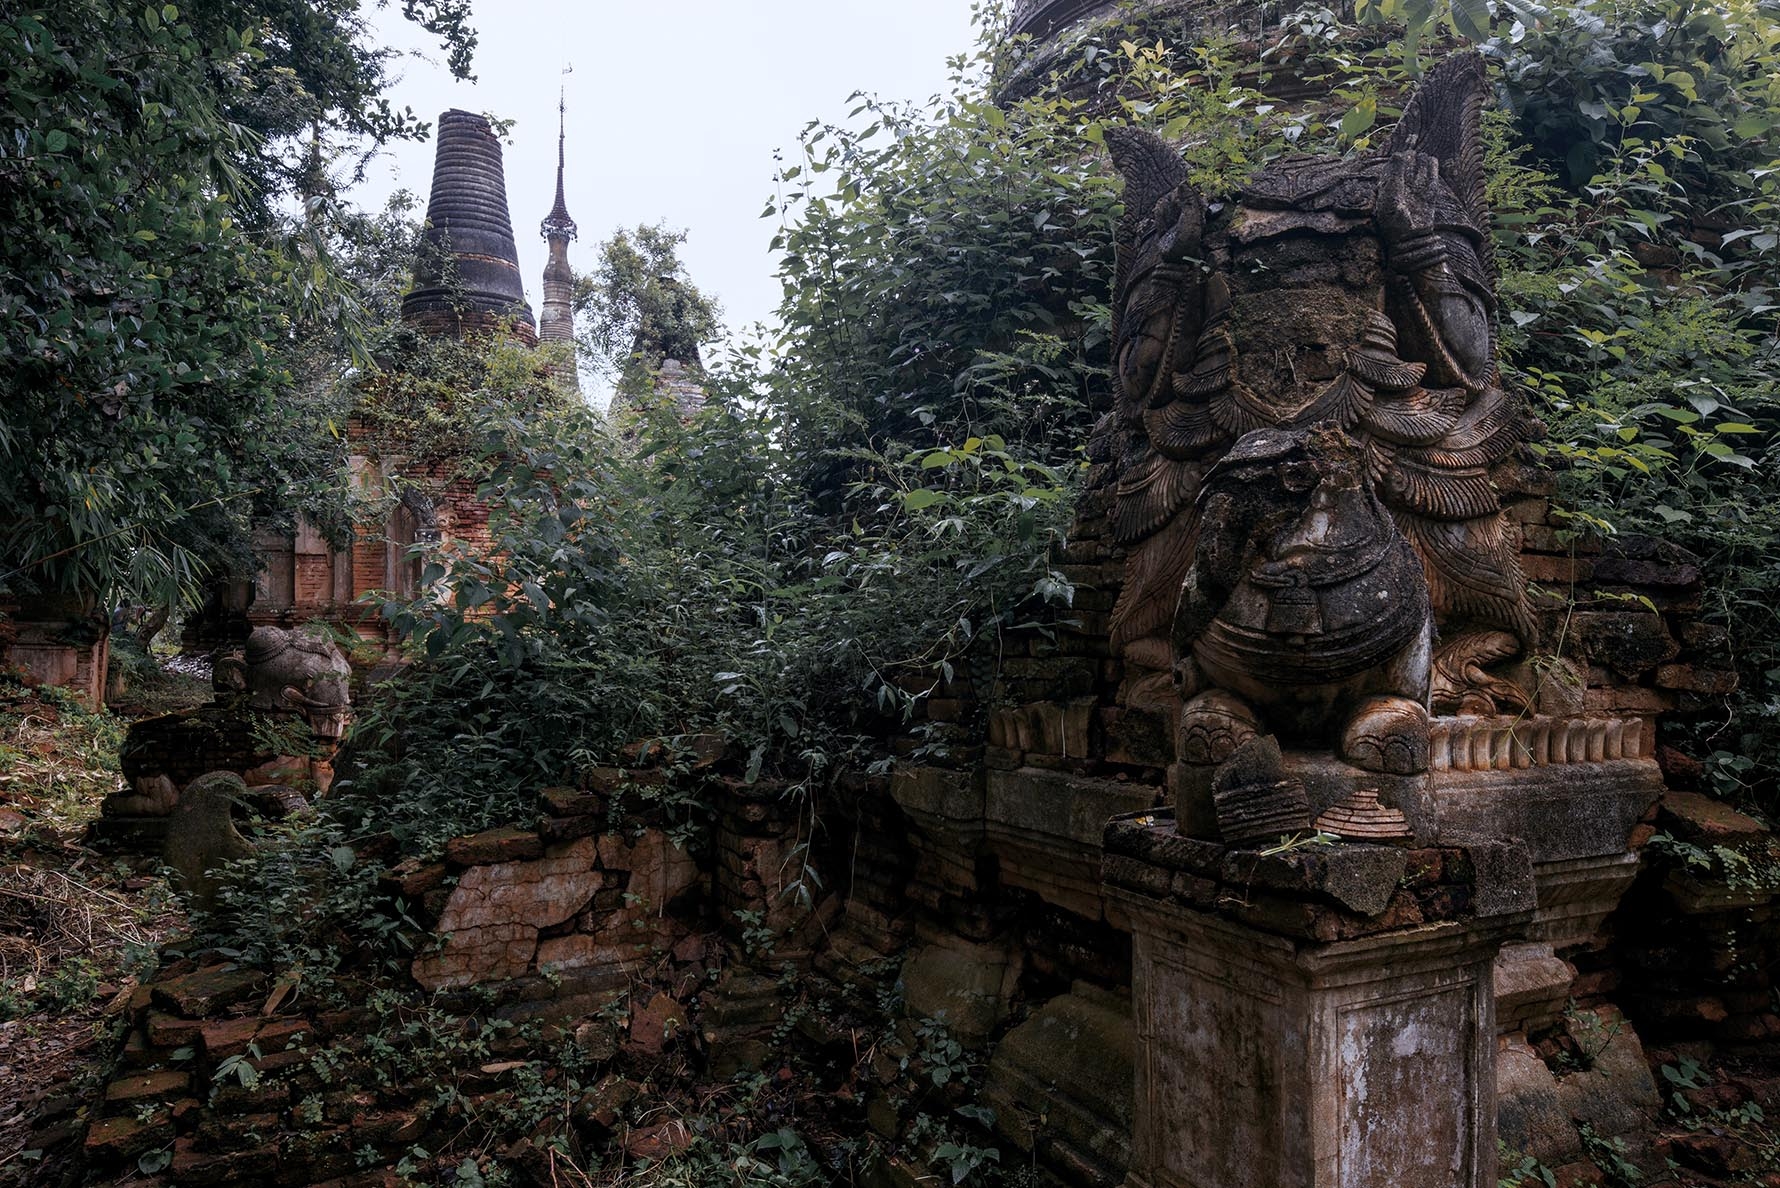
(466, 274)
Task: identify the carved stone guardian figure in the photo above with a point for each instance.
(282, 706)
(1303, 606)
(1308, 411)
(300, 672)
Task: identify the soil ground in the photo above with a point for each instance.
(77, 928)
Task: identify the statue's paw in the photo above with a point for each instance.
(1461, 682)
(1388, 734)
(1212, 726)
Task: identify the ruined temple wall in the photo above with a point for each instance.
(59, 644)
(306, 579)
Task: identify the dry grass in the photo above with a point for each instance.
(76, 928)
(52, 918)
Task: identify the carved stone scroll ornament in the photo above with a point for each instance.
(1308, 411)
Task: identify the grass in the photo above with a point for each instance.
(77, 928)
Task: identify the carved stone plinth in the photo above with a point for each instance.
(1267, 1056)
(1574, 810)
(1574, 789)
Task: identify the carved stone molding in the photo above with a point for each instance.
(1503, 743)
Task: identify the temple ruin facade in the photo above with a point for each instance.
(467, 281)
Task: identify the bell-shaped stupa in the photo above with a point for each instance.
(466, 273)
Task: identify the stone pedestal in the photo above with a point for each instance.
(1271, 1057)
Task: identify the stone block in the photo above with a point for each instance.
(659, 869)
(169, 1031)
(937, 792)
(1139, 875)
(1613, 1094)
(604, 1104)
(146, 1087)
(1137, 834)
(570, 802)
(507, 843)
(1530, 1118)
(1704, 821)
(208, 990)
(1620, 698)
(1571, 811)
(1046, 829)
(1069, 808)
(491, 921)
(1060, 1083)
(1557, 571)
(1628, 642)
(112, 1141)
(1558, 685)
(233, 1037)
(1501, 877)
(1531, 985)
(1528, 511)
(968, 985)
(1357, 877)
(1709, 682)
(654, 1025)
(412, 878)
(1647, 574)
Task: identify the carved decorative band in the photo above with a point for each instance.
(1501, 744)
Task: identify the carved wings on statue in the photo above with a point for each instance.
(1354, 292)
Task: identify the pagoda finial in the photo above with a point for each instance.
(557, 222)
(557, 321)
(466, 273)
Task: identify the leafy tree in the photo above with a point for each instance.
(641, 308)
(150, 291)
(316, 87)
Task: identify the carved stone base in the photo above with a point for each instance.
(1576, 810)
(1279, 1060)
(1262, 1061)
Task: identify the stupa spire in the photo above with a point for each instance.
(466, 276)
(557, 323)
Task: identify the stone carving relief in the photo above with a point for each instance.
(1308, 412)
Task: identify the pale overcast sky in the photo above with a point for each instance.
(675, 110)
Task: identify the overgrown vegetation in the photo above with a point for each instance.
(862, 507)
(638, 308)
(155, 296)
